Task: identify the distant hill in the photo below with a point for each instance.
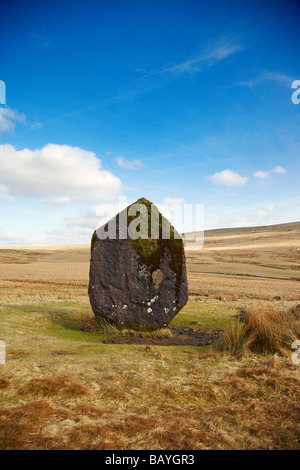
(268, 251)
(288, 227)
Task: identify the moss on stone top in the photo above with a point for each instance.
(144, 201)
(94, 238)
(151, 251)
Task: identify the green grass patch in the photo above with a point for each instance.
(208, 314)
(55, 330)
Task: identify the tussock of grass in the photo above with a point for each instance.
(91, 324)
(267, 330)
(295, 311)
(238, 338)
(4, 383)
(48, 386)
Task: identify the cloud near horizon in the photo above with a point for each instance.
(59, 174)
(267, 215)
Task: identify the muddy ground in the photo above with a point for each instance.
(186, 336)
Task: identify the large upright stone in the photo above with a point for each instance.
(137, 282)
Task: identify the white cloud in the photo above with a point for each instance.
(228, 178)
(261, 174)
(171, 208)
(184, 217)
(95, 216)
(265, 174)
(4, 193)
(129, 164)
(66, 235)
(261, 213)
(76, 228)
(278, 169)
(8, 119)
(10, 239)
(58, 201)
(57, 173)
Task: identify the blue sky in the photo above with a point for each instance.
(176, 101)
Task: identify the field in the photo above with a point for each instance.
(66, 385)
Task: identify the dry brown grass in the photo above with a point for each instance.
(4, 383)
(239, 406)
(47, 387)
(234, 264)
(236, 288)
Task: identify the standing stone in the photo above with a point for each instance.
(137, 281)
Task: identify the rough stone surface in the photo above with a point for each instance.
(139, 283)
